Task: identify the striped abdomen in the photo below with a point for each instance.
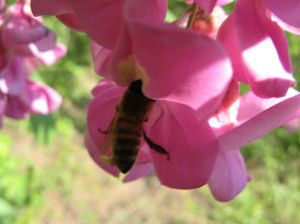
(126, 137)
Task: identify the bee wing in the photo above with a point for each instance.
(106, 145)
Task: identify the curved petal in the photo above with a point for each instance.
(21, 28)
(190, 144)
(260, 124)
(251, 105)
(94, 152)
(288, 10)
(101, 111)
(106, 85)
(142, 167)
(50, 7)
(40, 98)
(50, 56)
(139, 170)
(285, 26)
(191, 68)
(100, 19)
(154, 10)
(101, 59)
(229, 176)
(224, 2)
(227, 35)
(15, 108)
(264, 50)
(71, 20)
(13, 76)
(3, 100)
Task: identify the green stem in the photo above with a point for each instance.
(192, 16)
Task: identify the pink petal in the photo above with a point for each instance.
(51, 56)
(3, 100)
(285, 26)
(260, 124)
(15, 108)
(139, 170)
(191, 68)
(264, 50)
(142, 167)
(100, 19)
(251, 105)
(101, 59)
(153, 10)
(223, 2)
(228, 37)
(288, 10)
(101, 110)
(2, 4)
(47, 42)
(71, 20)
(106, 85)
(12, 79)
(229, 176)
(50, 7)
(41, 98)
(191, 145)
(94, 152)
(22, 28)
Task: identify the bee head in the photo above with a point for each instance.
(136, 86)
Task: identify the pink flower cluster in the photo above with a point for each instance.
(192, 68)
(24, 42)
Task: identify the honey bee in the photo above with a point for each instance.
(126, 128)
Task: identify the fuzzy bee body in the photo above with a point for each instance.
(127, 129)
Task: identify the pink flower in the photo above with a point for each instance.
(37, 98)
(238, 121)
(2, 107)
(22, 34)
(105, 24)
(258, 49)
(20, 96)
(62, 9)
(287, 13)
(13, 76)
(172, 125)
(246, 119)
(191, 68)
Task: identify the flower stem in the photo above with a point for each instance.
(192, 16)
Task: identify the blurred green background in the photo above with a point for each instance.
(47, 176)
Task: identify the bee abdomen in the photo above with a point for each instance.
(124, 164)
(125, 156)
(127, 132)
(125, 151)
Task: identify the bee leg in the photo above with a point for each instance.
(103, 132)
(117, 108)
(155, 147)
